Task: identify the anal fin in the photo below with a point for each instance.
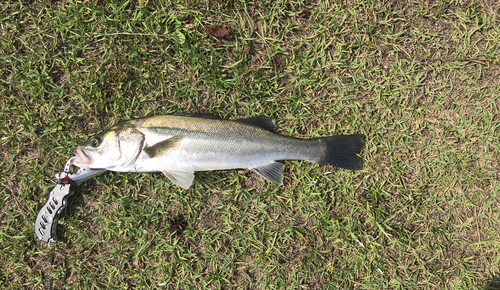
(183, 179)
(272, 172)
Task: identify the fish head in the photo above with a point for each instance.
(115, 149)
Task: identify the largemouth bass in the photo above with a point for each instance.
(180, 144)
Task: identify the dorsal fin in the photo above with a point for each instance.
(265, 122)
(197, 115)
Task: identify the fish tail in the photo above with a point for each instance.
(341, 151)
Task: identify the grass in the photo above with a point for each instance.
(421, 79)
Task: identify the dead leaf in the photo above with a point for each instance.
(305, 13)
(220, 31)
(189, 25)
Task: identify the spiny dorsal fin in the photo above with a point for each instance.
(163, 147)
(183, 179)
(265, 122)
(197, 115)
(272, 172)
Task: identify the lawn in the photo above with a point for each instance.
(421, 79)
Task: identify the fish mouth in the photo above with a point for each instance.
(82, 156)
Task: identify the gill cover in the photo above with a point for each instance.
(131, 142)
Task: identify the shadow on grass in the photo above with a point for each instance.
(75, 205)
(492, 284)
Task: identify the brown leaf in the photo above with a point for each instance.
(305, 13)
(189, 25)
(220, 31)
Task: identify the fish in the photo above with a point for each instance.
(181, 144)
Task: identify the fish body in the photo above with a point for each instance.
(178, 145)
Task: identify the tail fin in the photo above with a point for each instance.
(341, 151)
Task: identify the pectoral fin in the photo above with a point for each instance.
(272, 172)
(164, 147)
(183, 179)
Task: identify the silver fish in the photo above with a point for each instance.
(180, 144)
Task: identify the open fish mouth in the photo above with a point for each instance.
(82, 156)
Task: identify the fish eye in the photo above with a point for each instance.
(95, 142)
